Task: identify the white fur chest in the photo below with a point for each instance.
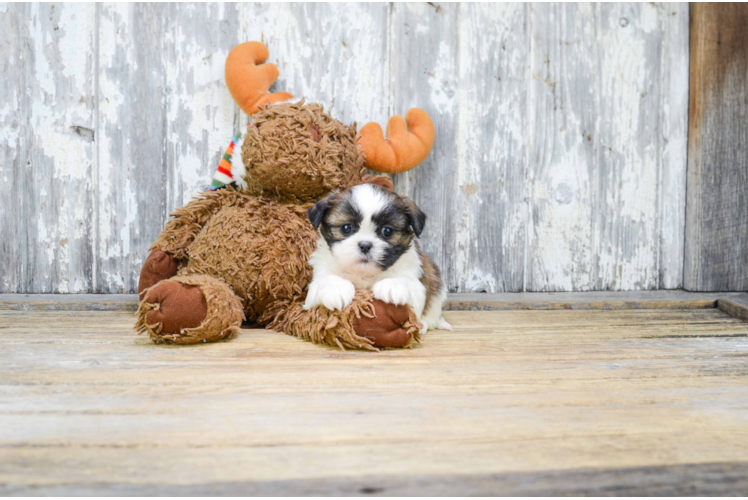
(361, 281)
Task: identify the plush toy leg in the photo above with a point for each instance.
(157, 267)
(390, 326)
(188, 310)
(365, 324)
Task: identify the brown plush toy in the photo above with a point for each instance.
(239, 253)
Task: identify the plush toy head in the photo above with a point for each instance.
(299, 153)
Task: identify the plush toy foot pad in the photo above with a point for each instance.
(179, 306)
(157, 267)
(188, 310)
(386, 329)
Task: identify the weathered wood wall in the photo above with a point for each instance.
(717, 207)
(560, 161)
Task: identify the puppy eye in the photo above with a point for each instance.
(387, 232)
(346, 228)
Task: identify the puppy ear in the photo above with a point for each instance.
(416, 217)
(317, 212)
(381, 180)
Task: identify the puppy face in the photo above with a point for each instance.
(367, 227)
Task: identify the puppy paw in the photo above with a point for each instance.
(440, 324)
(391, 290)
(425, 328)
(333, 292)
(443, 325)
(337, 298)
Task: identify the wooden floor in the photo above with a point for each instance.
(512, 402)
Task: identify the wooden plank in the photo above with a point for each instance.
(11, 161)
(541, 402)
(46, 143)
(597, 165)
(735, 306)
(717, 232)
(69, 302)
(424, 74)
(487, 208)
(201, 114)
(133, 125)
(672, 141)
(125, 116)
(722, 479)
(165, 116)
(563, 107)
(333, 54)
(658, 299)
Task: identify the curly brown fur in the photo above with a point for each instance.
(260, 248)
(189, 220)
(224, 317)
(335, 328)
(295, 152)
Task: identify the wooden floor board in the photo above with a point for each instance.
(651, 299)
(522, 402)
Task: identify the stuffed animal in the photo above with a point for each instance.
(239, 252)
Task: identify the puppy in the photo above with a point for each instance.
(367, 241)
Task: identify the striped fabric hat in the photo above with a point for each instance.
(230, 170)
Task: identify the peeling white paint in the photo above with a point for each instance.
(599, 91)
(479, 282)
(200, 111)
(559, 162)
(442, 80)
(673, 145)
(50, 81)
(335, 54)
(117, 196)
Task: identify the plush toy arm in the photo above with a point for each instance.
(366, 323)
(187, 221)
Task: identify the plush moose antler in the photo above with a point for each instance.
(249, 83)
(408, 142)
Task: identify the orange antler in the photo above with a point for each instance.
(408, 142)
(249, 83)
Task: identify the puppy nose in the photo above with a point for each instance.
(365, 246)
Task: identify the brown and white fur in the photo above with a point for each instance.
(367, 241)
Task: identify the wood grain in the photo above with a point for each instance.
(165, 118)
(717, 232)
(672, 140)
(424, 74)
(638, 401)
(487, 214)
(107, 127)
(736, 306)
(722, 479)
(607, 146)
(47, 134)
(69, 302)
(657, 299)
(335, 54)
